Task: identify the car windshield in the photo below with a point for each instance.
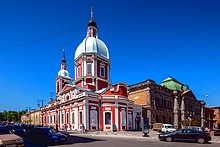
(3, 130)
(169, 127)
(16, 127)
(48, 130)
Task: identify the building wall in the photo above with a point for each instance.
(158, 103)
(32, 117)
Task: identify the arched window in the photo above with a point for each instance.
(67, 98)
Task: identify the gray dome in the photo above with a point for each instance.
(64, 73)
(92, 45)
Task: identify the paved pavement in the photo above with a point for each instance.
(153, 135)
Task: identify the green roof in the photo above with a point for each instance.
(173, 84)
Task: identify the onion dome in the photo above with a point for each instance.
(63, 71)
(91, 44)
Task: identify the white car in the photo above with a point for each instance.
(167, 128)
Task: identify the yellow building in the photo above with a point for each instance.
(33, 117)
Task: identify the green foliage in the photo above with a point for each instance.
(11, 115)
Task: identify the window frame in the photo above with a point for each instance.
(102, 71)
(88, 68)
(109, 121)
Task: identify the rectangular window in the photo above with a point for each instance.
(62, 119)
(78, 71)
(102, 71)
(107, 118)
(67, 118)
(80, 117)
(89, 68)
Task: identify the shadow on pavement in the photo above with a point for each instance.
(70, 140)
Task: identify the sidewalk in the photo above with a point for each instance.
(153, 135)
(124, 134)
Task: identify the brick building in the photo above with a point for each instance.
(170, 102)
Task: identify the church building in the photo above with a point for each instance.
(90, 100)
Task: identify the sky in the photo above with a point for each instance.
(146, 39)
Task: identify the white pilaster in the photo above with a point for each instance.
(76, 115)
(116, 116)
(86, 114)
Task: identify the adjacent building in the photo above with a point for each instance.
(212, 115)
(169, 102)
(32, 117)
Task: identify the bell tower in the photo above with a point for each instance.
(63, 77)
(92, 64)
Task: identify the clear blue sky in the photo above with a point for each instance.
(147, 39)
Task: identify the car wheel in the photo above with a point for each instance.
(200, 140)
(169, 139)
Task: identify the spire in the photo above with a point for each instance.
(63, 57)
(92, 29)
(63, 64)
(91, 14)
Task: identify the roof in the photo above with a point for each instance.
(172, 84)
(92, 45)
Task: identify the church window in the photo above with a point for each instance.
(102, 71)
(89, 68)
(78, 71)
(67, 118)
(107, 118)
(80, 117)
(62, 119)
(123, 118)
(67, 98)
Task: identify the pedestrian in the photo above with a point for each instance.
(83, 128)
(57, 127)
(65, 127)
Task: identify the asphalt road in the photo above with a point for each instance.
(103, 141)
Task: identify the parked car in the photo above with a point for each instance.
(186, 135)
(7, 138)
(199, 128)
(17, 130)
(45, 135)
(167, 128)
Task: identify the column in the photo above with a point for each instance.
(76, 115)
(202, 113)
(175, 109)
(183, 109)
(116, 116)
(148, 106)
(86, 114)
(70, 117)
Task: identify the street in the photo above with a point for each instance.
(82, 140)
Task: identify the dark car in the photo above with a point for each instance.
(17, 130)
(45, 135)
(186, 135)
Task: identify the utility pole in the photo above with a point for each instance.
(41, 108)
